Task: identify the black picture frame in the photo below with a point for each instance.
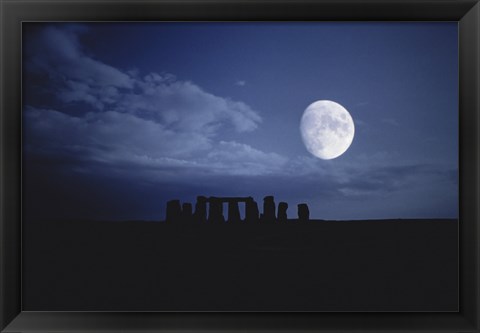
(14, 12)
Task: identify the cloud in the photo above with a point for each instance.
(184, 106)
(124, 140)
(58, 53)
(359, 122)
(122, 118)
(75, 77)
(241, 83)
(107, 132)
(242, 159)
(381, 180)
(367, 176)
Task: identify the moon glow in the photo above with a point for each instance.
(327, 129)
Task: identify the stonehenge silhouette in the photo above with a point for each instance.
(210, 209)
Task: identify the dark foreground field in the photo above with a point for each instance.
(394, 265)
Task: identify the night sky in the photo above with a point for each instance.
(118, 118)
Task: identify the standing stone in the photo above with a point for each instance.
(233, 211)
(174, 211)
(251, 210)
(268, 209)
(216, 210)
(282, 211)
(201, 209)
(303, 212)
(187, 211)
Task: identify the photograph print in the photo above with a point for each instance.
(240, 166)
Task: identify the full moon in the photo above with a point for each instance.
(327, 129)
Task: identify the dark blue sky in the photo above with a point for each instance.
(119, 118)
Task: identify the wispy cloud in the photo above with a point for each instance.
(76, 77)
(154, 121)
(120, 139)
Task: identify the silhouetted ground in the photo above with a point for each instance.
(394, 265)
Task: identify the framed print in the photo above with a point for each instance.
(240, 166)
